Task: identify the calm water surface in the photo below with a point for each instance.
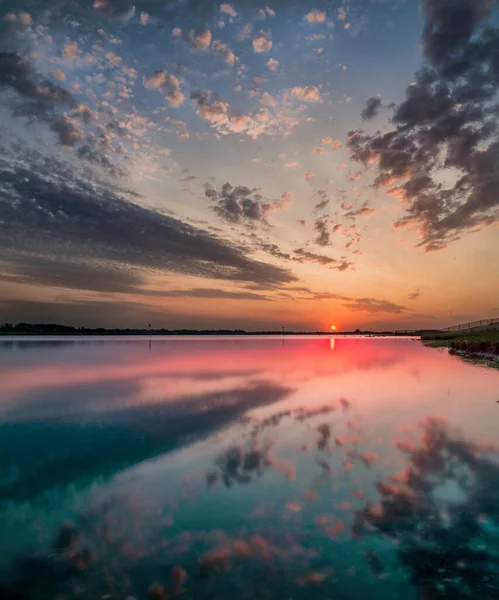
(246, 468)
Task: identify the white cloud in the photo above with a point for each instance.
(268, 100)
(272, 64)
(316, 16)
(228, 9)
(308, 94)
(221, 48)
(169, 83)
(199, 39)
(262, 42)
(70, 51)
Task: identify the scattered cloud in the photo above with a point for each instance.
(302, 255)
(363, 211)
(228, 9)
(272, 64)
(373, 106)
(325, 199)
(223, 49)
(262, 42)
(161, 80)
(114, 9)
(316, 16)
(321, 226)
(309, 93)
(241, 204)
(374, 306)
(198, 39)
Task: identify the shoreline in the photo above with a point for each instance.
(480, 348)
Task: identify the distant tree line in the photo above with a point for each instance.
(57, 329)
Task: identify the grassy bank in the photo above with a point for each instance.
(480, 347)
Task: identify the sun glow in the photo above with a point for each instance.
(333, 327)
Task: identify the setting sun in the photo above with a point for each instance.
(333, 327)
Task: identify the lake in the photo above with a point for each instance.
(217, 468)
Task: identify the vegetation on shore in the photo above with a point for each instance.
(481, 347)
(26, 329)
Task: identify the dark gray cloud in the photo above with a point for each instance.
(373, 306)
(301, 255)
(364, 210)
(47, 209)
(211, 293)
(71, 274)
(414, 295)
(36, 98)
(325, 199)
(67, 130)
(239, 204)
(321, 226)
(448, 121)
(373, 106)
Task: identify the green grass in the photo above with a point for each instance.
(466, 343)
(438, 340)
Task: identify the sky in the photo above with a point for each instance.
(191, 164)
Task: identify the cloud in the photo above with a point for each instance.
(67, 130)
(302, 255)
(415, 295)
(372, 108)
(221, 117)
(446, 124)
(363, 211)
(293, 164)
(198, 39)
(316, 16)
(70, 273)
(212, 293)
(374, 306)
(161, 80)
(241, 204)
(262, 42)
(37, 99)
(114, 9)
(325, 200)
(228, 9)
(308, 176)
(321, 226)
(309, 93)
(272, 64)
(70, 50)
(49, 208)
(221, 48)
(342, 15)
(39, 95)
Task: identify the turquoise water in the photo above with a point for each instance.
(246, 467)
